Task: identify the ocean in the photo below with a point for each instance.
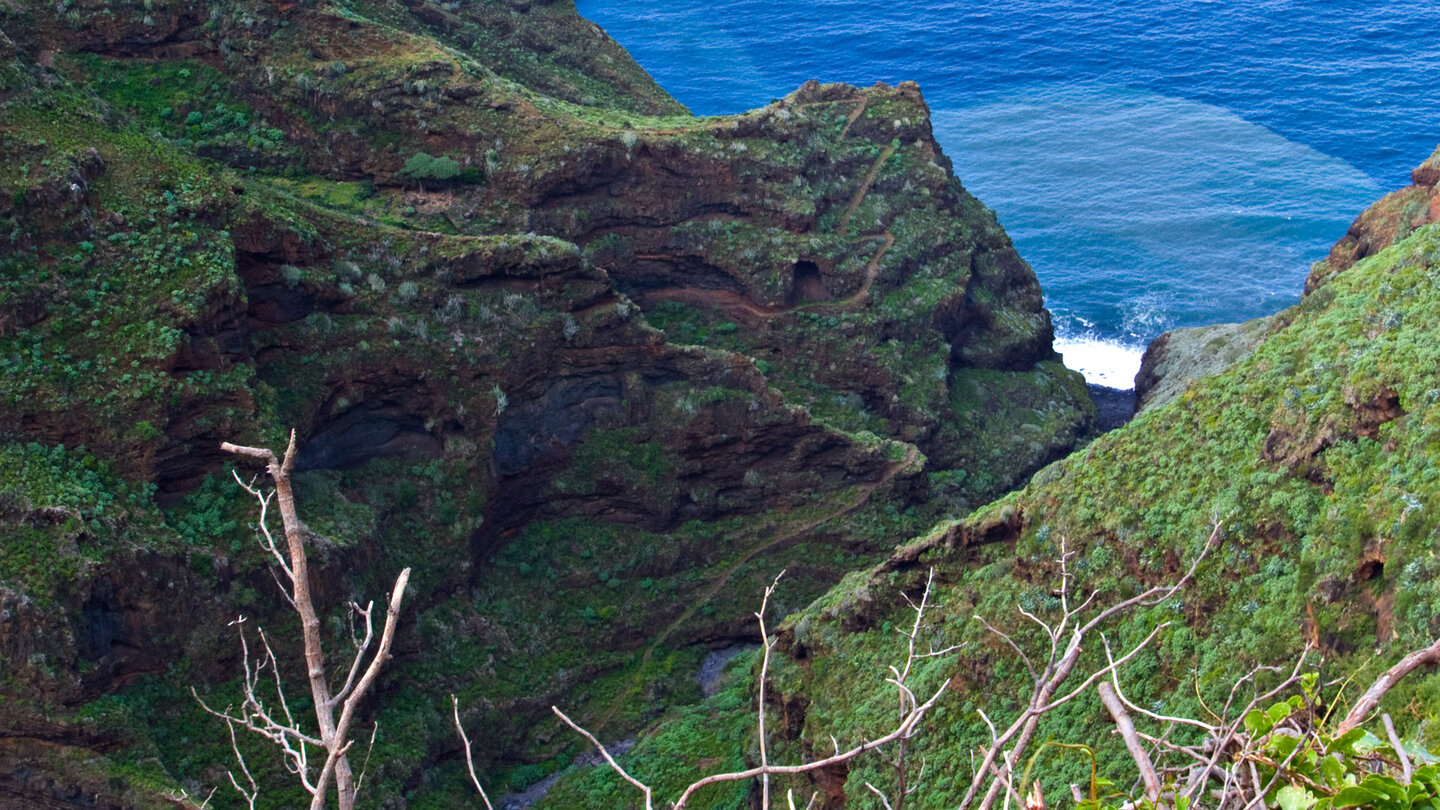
(1160, 164)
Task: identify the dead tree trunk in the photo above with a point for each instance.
(333, 737)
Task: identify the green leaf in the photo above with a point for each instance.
(1386, 786)
(1258, 723)
(1420, 753)
(1333, 769)
(1414, 793)
(1282, 744)
(1430, 777)
(1356, 796)
(1345, 743)
(1295, 798)
(1278, 712)
(1369, 743)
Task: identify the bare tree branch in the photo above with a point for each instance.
(1060, 665)
(883, 798)
(254, 714)
(790, 796)
(1406, 773)
(1229, 730)
(911, 714)
(644, 788)
(469, 760)
(1429, 656)
(903, 729)
(1024, 659)
(182, 798)
(767, 645)
(1123, 722)
(1115, 681)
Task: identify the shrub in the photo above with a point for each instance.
(422, 166)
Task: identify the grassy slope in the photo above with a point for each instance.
(1330, 536)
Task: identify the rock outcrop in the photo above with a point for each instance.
(1394, 217)
(1181, 356)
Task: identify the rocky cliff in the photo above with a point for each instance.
(1315, 454)
(1178, 357)
(595, 368)
(1388, 221)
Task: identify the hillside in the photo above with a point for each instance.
(1315, 453)
(593, 367)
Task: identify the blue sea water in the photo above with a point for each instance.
(1160, 163)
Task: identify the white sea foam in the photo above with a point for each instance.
(1103, 362)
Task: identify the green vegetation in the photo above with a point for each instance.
(424, 167)
(65, 513)
(1314, 452)
(191, 104)
(713, 736)
(595, 411)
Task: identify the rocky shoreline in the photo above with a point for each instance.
(1113, 406)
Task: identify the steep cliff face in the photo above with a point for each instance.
(593, 367)
(1315, 452)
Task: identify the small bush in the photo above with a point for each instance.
(422, 166)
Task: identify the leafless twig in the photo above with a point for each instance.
(1065, 638)
(1406, 773)
(912, 712)
(469, 760)
(643, 788)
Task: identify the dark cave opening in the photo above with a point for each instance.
(807, 285)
